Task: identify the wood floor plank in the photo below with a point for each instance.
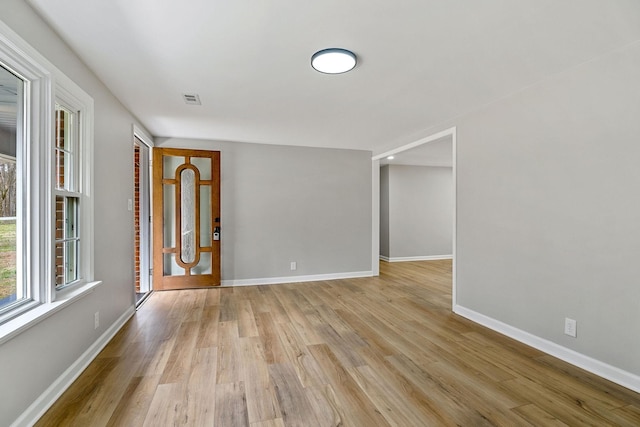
(325, 406)
(213, 297)
(229, 368)
(627, 415)
(297, 317)
(200, 408)
(70, 405)
(262, 403)
(348, 355)
(230, 403)
(355, 407)
(274, 306)
(134, 404)
(157, 356)
(178, 364)
(246, 319)
(208, 327)
(454, 403)
(195, 305)
(308, 371)
(567, 386)
(600, 386)
(296, 409)
(373, 351)
(269, 423)
(390, 401)
(166, 408)
(100, 406)
(228, 310)
(271, 344)
(367, 333)
(537, 416)
(568, 410)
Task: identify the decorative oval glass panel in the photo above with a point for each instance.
(188, 215)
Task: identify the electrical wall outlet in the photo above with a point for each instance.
(96, 320)
(570, 327)
(294, 265)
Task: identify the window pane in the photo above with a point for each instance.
(60, 160)
(169, 165)
(59, 260)
(59, 217)
(71, 261)
(205, 216)
(204, 266)
(170, 267)
(204, 167)
(188, 215)
(64, 149)
(66, 259)
(169, 215)
(66, 232)
(71, 217)
(11, 90)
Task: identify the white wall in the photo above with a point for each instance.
(548, 209)
(419, 211)
(30, 362)
(281, 204)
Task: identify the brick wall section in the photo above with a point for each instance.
(59, 207)
(59, 256)
(60, 144)
(136, 214)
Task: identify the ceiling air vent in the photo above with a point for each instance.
(191, 99)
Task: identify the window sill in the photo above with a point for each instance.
(40, 312)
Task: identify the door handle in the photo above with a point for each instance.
(216, 233)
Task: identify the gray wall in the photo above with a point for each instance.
(548, 208)
(282, 204)
(30, 362)
(384, 211)
(420, 211)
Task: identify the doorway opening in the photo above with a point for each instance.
(142, 219)
(419, 148)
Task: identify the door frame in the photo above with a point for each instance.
(146, 259)
(375, 214)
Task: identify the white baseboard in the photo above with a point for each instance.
(296, 279)
(415, 258)
(55, 390)
(604, 370)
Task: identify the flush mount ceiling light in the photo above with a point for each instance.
(333, 61)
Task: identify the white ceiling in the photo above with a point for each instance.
(421, 62)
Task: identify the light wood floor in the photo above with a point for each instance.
(359, 352)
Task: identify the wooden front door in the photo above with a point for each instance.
(186, 218)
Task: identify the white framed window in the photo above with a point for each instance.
(67, 197)
(46, 205)
(13, 290)
(72, 165)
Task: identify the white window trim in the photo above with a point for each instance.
(37, 250)
(71, 96)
